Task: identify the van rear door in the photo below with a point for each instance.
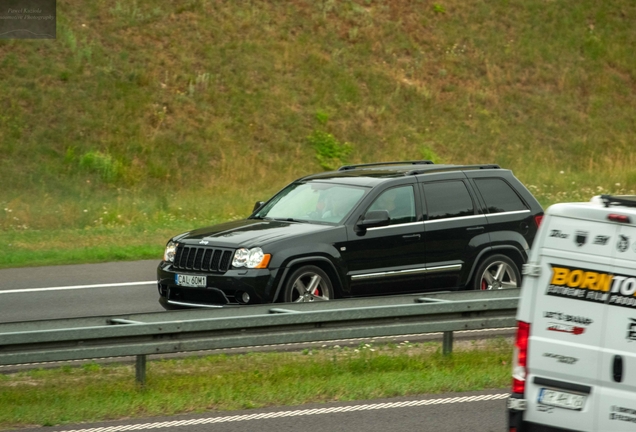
(567, 325)
(617, 408)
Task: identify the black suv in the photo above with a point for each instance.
(371, 229)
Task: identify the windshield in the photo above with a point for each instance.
(313, 201)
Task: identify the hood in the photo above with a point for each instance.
(249, 232)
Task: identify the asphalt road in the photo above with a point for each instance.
(129, 287)
(91, 290)
(474, 411)
(78, 290)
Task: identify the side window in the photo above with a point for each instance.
(499, 196)
(447, 199)
(399, 202)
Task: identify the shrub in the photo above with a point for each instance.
(103, 164)
(329, 151)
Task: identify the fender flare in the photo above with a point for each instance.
(522, 255)
(308, 259)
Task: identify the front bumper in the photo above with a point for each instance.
(220, 290)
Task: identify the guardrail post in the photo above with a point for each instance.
(140, 369)
(447, 344)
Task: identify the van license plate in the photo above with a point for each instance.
(561, 399)
(190, 280)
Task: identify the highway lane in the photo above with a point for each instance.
(120, 288)
(115, 288)
(473, 411)
(78, 290)
(129, 287)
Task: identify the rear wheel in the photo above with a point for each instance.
(497, 272)
(308, 284)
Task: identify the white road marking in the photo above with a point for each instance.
(295, 413)
(74, 287)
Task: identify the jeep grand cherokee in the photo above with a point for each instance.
(370, 229)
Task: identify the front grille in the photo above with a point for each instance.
(205, 259)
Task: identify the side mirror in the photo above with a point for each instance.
(372, 219)
(258, 205)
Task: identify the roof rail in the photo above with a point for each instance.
(367, 165)
(453, 168)
(624, 200)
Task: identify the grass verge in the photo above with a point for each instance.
(96, 392)
(142, 114)
(77, 246)
(112, 228)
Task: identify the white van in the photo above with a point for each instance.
(575, 357)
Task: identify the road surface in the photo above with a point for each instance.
(452, 412)
(78, 290)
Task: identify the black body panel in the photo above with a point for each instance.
(447, 223)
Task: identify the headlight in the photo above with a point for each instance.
(240, 257)
(255, 258)
(171, 249)
(252, 258)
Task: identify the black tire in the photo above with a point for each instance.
(497, 272)
(308, 284)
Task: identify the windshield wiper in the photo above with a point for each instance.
(289, 220)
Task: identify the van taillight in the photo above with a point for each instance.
(538, 219)
(520, 358)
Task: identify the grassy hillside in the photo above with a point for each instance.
(145, 118)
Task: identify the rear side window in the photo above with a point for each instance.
(499, 196)
(448, 199)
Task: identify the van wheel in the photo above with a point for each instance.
(497, 272)
(308, 284)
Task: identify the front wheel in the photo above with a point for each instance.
(497, 272)
(308, 284)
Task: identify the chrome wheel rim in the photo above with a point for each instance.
(309, 287)
(499, 275)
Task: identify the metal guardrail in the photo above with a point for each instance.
(204, 329)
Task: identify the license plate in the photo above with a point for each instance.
(561, 399)
(190, 280)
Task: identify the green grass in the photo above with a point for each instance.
(126, 232)
(143, 115)
(216, 383)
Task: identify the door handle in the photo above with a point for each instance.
(617, 369)
(411, 236)
(477, 228)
